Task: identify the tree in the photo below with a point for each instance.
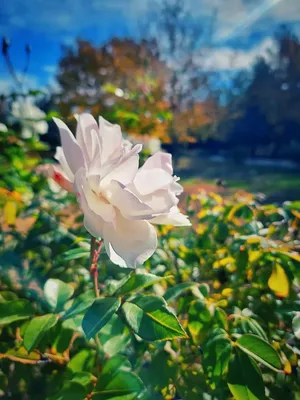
(123, 80)
(182, 42)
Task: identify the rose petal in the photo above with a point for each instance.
(174, 217)
(61, 158)
(96, 204)
(148, 181)
(111, 140)
(128, 203)
(87, 137)
(93, 223)
(72, 151)
(159, 160)
(129, 243)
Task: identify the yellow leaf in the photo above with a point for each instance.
(278, 282)
(10, 212)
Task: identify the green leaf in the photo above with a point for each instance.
(36, 329)
(74, 254)
(80, 304)
(244, 378)
(199, 321)
(15, 310)
(99, 314)
(82, 361)
(139, 281)
(260, 350)
(70, 391)
(125, 385)
(296, 325)
(150, 318)
(177, 290)
(216, 356)
(57, 293)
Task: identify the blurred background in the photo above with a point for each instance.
(216, 83)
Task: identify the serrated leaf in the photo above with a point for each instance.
(36, 329)
(278, 281)
(15, 310)
(260, 350)
(150, 318)
(57, 293)
(99, 314)
(244, 378)
(139, 281)
(80, 304)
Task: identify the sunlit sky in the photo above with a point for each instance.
(243, 30)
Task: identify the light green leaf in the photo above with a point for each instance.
(244, 378)
(36, 329)
(74, 254)
(150, 318)
(260, 350)
(99, 314)
(57, 293)
(80, 304)
(199, 321)
(15, 310)
(139, 281)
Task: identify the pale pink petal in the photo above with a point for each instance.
(87, 136)
(159, 160)
(61, 158)
(174, 217)
(150, 180)
(57, 174)
(128, 203)
(111, 140)
(72, 151)
(93, 223)
(97, 204)
(124, 171)
(130, 243)
(160, 201)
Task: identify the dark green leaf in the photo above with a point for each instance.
(177, 290)
(244, 378)
(99, 314)
(80, 304)
(260, 350)
(216, 356)
(136, 282)
(15, 310)
(150, 318)
(70, 391)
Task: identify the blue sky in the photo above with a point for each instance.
(243, 30)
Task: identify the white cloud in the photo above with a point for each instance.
(227, 58)
(51, 69)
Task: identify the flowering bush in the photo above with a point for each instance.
(213, 313)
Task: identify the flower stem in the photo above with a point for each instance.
(96, 246)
